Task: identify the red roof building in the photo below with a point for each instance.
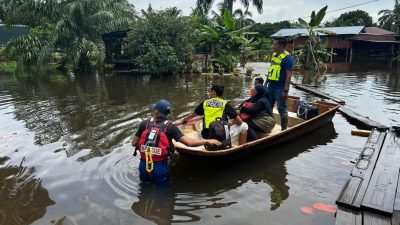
(350, 43)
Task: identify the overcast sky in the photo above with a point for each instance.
(278, 10)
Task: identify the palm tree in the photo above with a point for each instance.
(174, 11)
(229, 3)
(242, 18)
(71, 28)
(389, 17)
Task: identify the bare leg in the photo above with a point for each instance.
(242, 138)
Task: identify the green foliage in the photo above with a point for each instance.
(158, 59)
(207, 4)
(228, 44)
(242, 18)
(71, 28)
(263, 45)
(8, 67)
(314, 48)
(390, 19)
(267, 29)
(352, 18)
(162, 42)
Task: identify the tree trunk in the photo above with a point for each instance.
(315, 60)
(229, 6)
(306, 65)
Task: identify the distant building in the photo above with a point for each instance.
(7, 34)
(350, 43)
(113, 42)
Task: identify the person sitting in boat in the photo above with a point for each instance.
(154, 140)
(216, 107)
(258, 80)
(261, 116)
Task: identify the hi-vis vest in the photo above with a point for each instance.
(213, 109)
(274, 71)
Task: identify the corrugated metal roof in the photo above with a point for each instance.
(304, 32)
(378, 31)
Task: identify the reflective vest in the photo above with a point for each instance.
(213, 109)
(274, 71)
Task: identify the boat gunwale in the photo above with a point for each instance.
(188, 150)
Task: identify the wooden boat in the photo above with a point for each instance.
(296, 128)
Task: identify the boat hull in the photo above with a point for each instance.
(264, 144)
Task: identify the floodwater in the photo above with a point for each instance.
(65, 154)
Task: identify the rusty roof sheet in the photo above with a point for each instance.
(378, 31)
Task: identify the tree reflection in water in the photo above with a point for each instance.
(23, 199)
(199, 185)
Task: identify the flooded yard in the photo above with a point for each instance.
(66, 157)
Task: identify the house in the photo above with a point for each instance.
(8, 33)
(375, 43)
(113, 42)
(350, 43)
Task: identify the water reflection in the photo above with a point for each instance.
(23, 199)
(98, 112)
(77, 143)
(200, 185)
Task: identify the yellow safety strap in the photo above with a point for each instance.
(149, 160)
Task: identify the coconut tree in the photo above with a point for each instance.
(229, 3)
(390, 18)
(8, 8)
(243, 17)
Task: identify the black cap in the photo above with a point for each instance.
(219, 89)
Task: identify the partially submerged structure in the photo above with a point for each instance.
(113, 42)
(351, 43)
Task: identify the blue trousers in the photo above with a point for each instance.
(276, 96)
(160, 173)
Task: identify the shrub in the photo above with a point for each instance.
(161, 42)
(8, 67)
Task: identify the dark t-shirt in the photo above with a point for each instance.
(229, 112)
(172, 131)
(287, 64)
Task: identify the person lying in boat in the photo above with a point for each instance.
(154, 140)
(216, 107)
(261, 116)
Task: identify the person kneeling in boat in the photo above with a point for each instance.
(215, 108)
(261, 116)
(154, 140)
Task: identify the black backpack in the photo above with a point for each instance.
(219, 130)
(307, 111)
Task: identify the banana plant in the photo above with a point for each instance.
(225, 40)
(314, 47)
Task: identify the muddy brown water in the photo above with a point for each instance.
(65, 154)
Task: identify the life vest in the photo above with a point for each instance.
(154, 143)
(274, 71)
(213, 109)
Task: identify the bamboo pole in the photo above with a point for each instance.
(362, 133)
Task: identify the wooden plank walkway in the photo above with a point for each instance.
(359, 120)
(317, 93)
(371, 195)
